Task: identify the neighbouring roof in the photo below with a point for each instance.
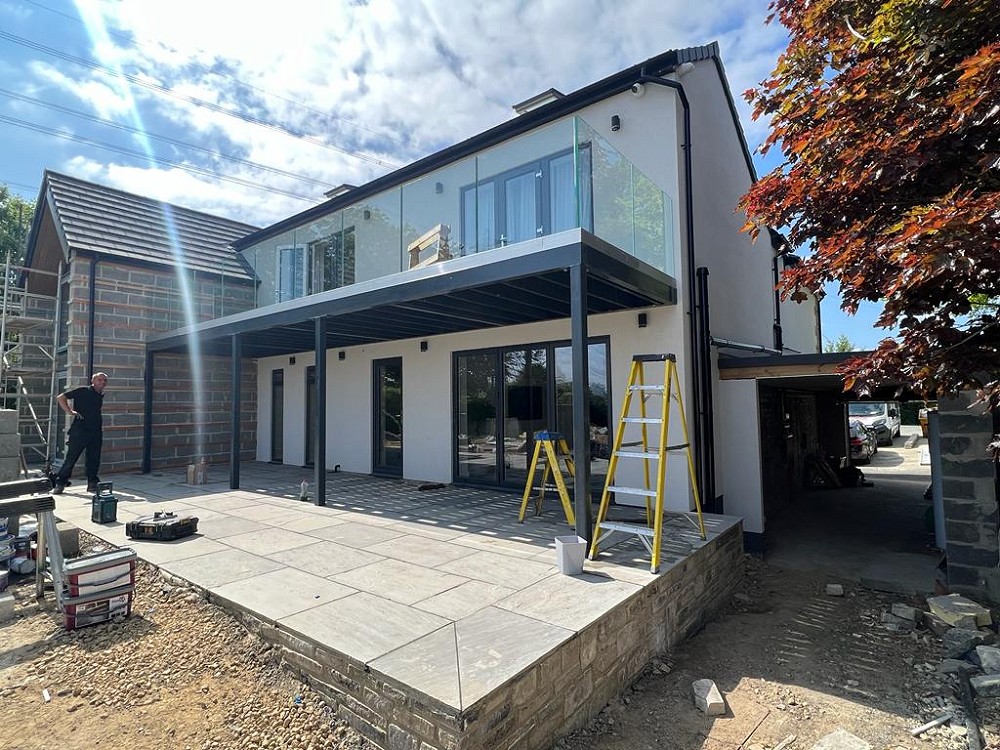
(97, 220)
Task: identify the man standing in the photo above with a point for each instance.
(85, 432)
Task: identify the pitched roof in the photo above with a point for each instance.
(95, 219)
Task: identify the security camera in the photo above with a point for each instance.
(638, 89)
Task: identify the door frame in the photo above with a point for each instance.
(377, 364)
(278, 425)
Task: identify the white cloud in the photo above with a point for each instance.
(391, 80)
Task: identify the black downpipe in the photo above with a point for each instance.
(92, 317)
(704, 436)
(779, 343)
(705, 369)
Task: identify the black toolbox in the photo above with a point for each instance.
(162, 526)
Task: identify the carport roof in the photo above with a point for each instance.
(525, 283)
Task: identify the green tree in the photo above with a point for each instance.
(839, 344)
(885, 112)
(15, 222)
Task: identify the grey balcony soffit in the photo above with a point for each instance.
(523, 283)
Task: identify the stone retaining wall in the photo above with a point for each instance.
(554, 696)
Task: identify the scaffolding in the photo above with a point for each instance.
(30, 333)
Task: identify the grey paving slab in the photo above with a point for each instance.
(219, 525)
(296, 520)
(355, 534)
(419, 550)
(493, 543)
(428, 529)
(571, 602)
(218, 568)
(268, 540)
(400, 581)
(261, 512)
(463, 600)
(503, 570)
(164, 553)
(371, 519)
(224, 502)
(429, 664)
(494, 645)
(325, 558)
(281, 593)
(363, 626)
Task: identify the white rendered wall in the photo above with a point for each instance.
(800, 325)
(738, 433)
(427, 395)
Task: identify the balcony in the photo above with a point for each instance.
(563, 176)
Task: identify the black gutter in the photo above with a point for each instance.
(567, 105)
(702, 429)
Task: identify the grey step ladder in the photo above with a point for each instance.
(652, 456)
(31, 497)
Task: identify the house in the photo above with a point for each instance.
(438, 316)
(104, 271)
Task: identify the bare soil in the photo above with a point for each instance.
(180, 673)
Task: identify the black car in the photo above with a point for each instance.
(864, 442)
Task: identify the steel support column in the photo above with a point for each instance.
(147, 414)
(236, 373)
(319, 439)
(581, 400)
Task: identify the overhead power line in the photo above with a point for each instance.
(135, 80)
(165, 139)
(156, 159)
(130, 42)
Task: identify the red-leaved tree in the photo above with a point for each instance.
(887, 114)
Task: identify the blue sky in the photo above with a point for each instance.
(253, 111)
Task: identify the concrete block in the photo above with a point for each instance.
(954, 607)
(906, 612)
(708, 698)
(10, 468)
(6, 606)
(896, 623)
(989, 658)
(8, 421)
(841, 740)
(987, 685)
(834, 589)
(10, 445)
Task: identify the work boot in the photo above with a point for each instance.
(58, 489)
(91, 486)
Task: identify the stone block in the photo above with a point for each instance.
(8, 421)
(959, 641)
(10, 468)
(708, 698)
(989, 659)
(954, 666)
(834, 589)
(953, 607)
(69, 539)
(935, 624)
(907, 612)
(987, 685)
(6, 606)
(841, 739)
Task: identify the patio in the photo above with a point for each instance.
(429, 616)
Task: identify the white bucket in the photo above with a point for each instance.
(6, 546)
(570, 552)
(3, 526)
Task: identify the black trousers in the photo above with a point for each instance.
(80, 441)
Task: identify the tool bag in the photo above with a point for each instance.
(162, 526)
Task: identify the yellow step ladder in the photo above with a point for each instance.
(669, 391)
(549, 448)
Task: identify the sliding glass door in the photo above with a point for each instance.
(503, 396)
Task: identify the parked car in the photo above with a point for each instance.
(881, 416)
(864, 442)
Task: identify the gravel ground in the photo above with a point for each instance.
(181, 673)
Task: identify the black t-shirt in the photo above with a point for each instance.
(87, 402)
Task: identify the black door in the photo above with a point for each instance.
(388, 401)
(277, 416)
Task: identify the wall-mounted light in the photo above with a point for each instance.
(341, 355)
(616, 123)
(367, 214)
(291, 360)
(423, 346)
(642, 320)
(438, 188)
